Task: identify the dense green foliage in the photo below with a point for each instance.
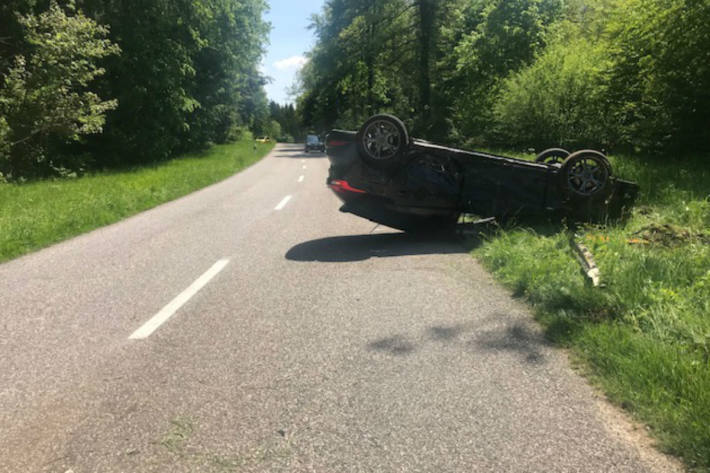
(436, 64)
(362, 45)
(616, 74)
(44, 94)
(39, 213)
(659, 74)
(125, 81)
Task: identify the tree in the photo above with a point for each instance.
(188, 74)
(360, 64)
(603, 72)
(151, 79)
(504, 37)
(226, 68)
(658, 85)
(12, 41)
(274, 129)
(45, 95)
(287, 118)
(430, 62)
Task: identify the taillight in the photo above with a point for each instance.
(339, 185)
(335, 143)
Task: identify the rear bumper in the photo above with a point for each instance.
(383, 210)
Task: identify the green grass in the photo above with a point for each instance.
(36, 214)
(645, 337)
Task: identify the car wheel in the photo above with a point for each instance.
(552, 156)
(585, 173)
(382, 140)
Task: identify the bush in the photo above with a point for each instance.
(555, 101)
(236, 133)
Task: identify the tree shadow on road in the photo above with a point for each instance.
(396, 345)
(296, 152)
(515, 338)
(362, 247)
(511, 337)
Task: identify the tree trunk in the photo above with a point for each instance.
(427, 12)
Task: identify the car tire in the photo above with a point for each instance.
(552, 156)
(382, 140)
(585, 174)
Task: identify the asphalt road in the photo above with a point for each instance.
(290, 337)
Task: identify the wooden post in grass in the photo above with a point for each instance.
(585, 258)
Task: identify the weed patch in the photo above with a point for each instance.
(180, 431)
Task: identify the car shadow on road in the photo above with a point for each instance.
(380, 245)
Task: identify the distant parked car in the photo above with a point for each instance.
(313, 142)
(263, 139)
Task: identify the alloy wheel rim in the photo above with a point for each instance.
(381, 139)
(587, 176)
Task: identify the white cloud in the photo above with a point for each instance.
(293, 62)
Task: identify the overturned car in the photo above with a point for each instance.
(382, 174)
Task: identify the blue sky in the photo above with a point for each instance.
(290, 39)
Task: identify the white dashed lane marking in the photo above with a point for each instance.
(283, 203)
(169, 310)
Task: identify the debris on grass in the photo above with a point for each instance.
(667, 235)
(586, 259)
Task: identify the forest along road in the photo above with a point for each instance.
(251, 326)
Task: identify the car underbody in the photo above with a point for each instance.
(383, 175)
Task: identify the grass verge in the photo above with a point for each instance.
(645, 337)
(36, 214)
